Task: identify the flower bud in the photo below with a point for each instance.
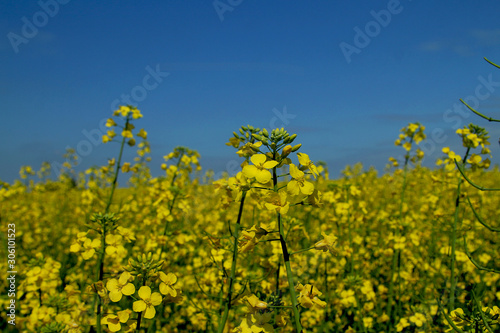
(287, 150)
(296, 147)
(256, 136)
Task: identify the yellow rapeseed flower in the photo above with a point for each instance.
(278, 202)
(147, 302)
(114, 321)
(142, 134)
(326, 244)
(298, 184)
(167, 282)
(259, 168)
(306, 162)
(120, 287)
(110, 122)
(308, 296)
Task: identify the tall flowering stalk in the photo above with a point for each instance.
(412, 134)
(266, 154)
(241, 190)
(107, 222)
(472, 137)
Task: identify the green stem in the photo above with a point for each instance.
(233, 267)
(139, 317)
(451, 305)
(349, 225)
(137, 329)
(448, 319)
(117, 170)
(100, 264)
(289, 275)
(303, 250)
(171, 204)
(100, 274)
(396, 256)
(286, 259)
(453, 282)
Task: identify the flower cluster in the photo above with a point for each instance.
(413, 133)
(472, 137)
(126, 113)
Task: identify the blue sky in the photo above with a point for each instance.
(348, 75)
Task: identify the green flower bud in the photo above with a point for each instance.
(296, 147)
(256, 136)
(265, 133)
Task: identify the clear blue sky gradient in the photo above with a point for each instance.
(349, 75)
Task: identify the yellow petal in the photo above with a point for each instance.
(110, 250)
(295, 172)
(167, 290)
(303, 158)
(96, 243)
(307, 188)
(150, 312)
(128, 289)
(258, 159)
(75, 247)
(124, 277)
(156, 298)
(293, 187)
(88, 254)
(114, 327)
(250, 171)
(263, 176)
(123, 315)
(139, 306)
(115, 296)
(144, 292)
(112, 285)
(169, 278)
(270, 164)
